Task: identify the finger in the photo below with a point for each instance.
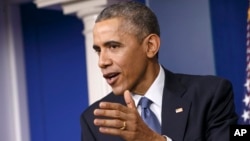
(112, 106)
(129, 100)
(110, 113)
(114, 131)
(114, 123)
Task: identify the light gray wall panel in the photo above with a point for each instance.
(186, 45)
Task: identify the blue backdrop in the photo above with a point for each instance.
(229, 22)
(56, 73)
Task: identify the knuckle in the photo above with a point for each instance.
(117, 114)
(117, 123)
(117, 106)
(104, 122)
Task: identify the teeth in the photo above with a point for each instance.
(110, 76)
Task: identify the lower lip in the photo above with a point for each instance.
(112, 80)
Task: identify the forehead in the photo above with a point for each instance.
(113, 29)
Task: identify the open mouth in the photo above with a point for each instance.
(111, 77)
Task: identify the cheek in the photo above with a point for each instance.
(130, 61)
(132, 69)
(127, 67)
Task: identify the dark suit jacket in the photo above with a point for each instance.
(208, 110)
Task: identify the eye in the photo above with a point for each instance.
(113, 46)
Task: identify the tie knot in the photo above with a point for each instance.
(145, 102)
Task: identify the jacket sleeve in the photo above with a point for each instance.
(86, 133)
(221, 113)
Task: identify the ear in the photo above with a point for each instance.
(153, 45)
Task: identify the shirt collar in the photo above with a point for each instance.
(155, 91)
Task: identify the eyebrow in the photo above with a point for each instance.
(108, 43)
(96, 47)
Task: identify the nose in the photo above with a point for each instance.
(104, 60)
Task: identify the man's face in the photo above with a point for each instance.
(122, 59)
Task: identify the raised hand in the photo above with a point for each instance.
(124, 121)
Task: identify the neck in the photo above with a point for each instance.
(148, 79)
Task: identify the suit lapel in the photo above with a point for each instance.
(175, 109)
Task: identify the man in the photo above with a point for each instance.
(184, 107)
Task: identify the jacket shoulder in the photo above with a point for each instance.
(208, 81)
(108, 98)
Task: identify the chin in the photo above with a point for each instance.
(118, 91)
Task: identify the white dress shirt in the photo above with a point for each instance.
(154, 93)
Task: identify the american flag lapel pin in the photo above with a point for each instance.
(178, 110)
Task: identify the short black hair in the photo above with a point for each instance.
(140, 20)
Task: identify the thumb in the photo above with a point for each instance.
(129, 100)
